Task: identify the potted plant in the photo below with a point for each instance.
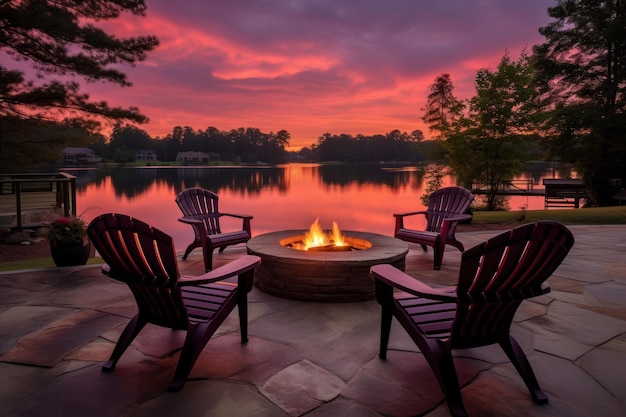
(68, 241)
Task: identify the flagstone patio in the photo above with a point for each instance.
(57, 327)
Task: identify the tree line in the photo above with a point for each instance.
(246, 145)
(251, 145)
(568, 95)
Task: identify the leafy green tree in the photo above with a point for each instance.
(123, 154)
(98, 144)
(281, 138)
(581, 71)
(274, 148)
(491, 149)
(60, 41)
(433, 174)
(417, 136)
(130, 137)
(443, 110)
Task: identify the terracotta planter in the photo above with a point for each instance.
(70, 255)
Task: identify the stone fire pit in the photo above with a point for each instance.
(329, 276)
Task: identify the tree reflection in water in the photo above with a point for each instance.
(359, 197)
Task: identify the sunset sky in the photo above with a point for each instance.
(313, 66)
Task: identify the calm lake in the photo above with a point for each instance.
(358, 197)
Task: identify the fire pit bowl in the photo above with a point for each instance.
(327, 276)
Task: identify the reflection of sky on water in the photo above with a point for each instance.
(357, 197)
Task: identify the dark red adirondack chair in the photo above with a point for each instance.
(144, 258)
(494, 278)
(446, 208)
(200, 210)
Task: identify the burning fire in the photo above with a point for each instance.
(316, 238)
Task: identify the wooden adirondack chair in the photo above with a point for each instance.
(200, 210)
(494, 278)
(145, 259)
(446, 208)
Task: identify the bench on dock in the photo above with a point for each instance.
(564, 192)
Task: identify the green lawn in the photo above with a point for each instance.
(595, 215)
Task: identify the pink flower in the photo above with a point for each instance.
(63, 221)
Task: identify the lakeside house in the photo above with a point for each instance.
(79, 156)
(193, 156)
(145, 155)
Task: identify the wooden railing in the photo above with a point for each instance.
(511, 187)
(28, 200)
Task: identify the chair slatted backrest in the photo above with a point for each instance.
(496, 276)
(198, 201)
(145, 259)
(445, 202)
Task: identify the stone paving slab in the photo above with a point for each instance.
(51, 344)
(302, 387)
(18, 321)
(210, 398)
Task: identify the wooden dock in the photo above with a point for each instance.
(557, 192)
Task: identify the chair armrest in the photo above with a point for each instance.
(400, 219)
(236, 267)
(391, 275)
(412, 213)
(246, 220)
(457, 218)
(240, 216)
(195, 219)
(197, 222)
(449, 224)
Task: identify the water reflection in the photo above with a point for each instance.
(131, 182)
(358, 197)
(392, 176)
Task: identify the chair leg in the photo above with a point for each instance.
(438, 250)
(131, 330)
(452, 241)
(242, 305)
(190, 248)
(385, 329)
(438, 257)
(439, 357)
(198, 335)
(207, 253)
(519, 360)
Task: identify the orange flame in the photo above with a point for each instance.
(316, 237)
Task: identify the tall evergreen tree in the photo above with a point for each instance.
(582, 73)
(60, 41)
(442, 109)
